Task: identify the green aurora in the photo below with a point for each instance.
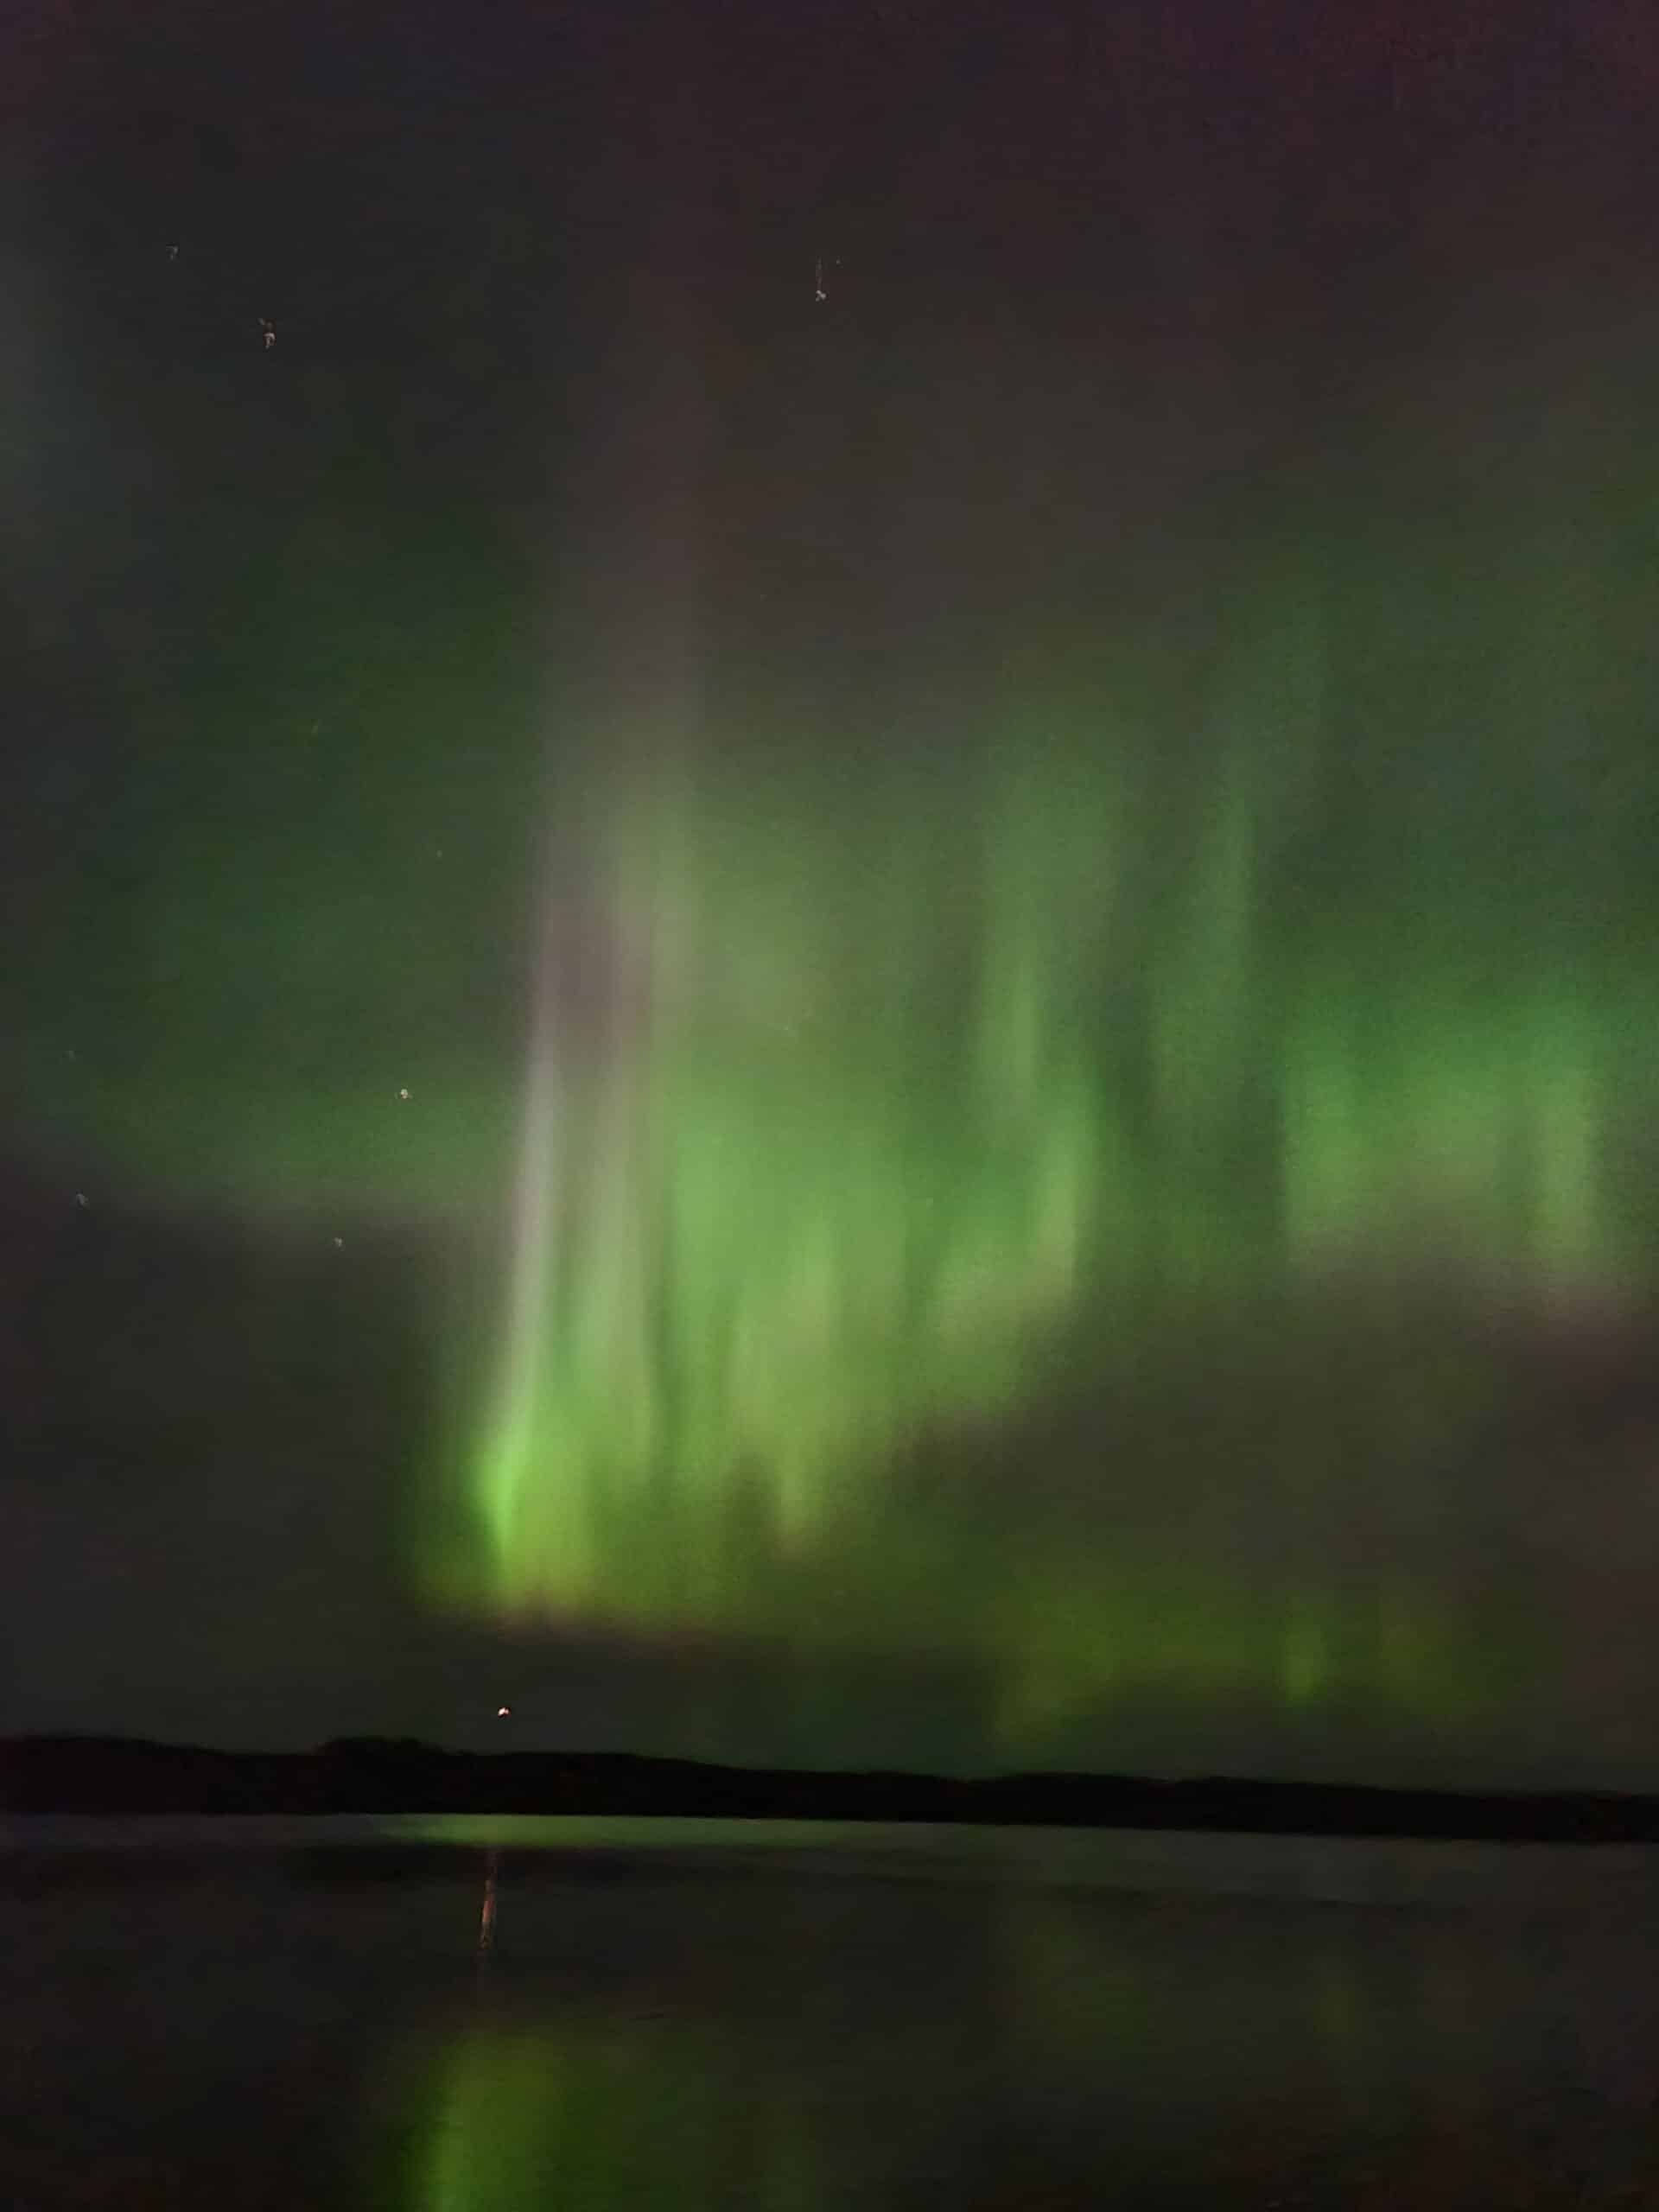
(946, 1185)
(910, 1105)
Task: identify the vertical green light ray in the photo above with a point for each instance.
(883, 1087)
(901, 1098)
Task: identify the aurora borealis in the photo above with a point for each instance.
(957, 979)
(888, 1110)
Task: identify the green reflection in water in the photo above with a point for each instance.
(600, 2115)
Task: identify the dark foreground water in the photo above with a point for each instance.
(264, 2013)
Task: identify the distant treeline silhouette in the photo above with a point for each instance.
(402, 1774)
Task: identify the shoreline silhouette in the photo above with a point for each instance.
(116, 1775)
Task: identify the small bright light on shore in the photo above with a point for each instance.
(502, 1710)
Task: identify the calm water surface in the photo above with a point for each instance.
(300, 2013)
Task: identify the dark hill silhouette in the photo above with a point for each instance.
(368, 1774)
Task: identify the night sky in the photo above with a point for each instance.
(831, 852)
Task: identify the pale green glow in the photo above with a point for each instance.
(1428, 1126)
(807, 1210)
(897, 1105)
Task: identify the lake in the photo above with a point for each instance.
(260, 2013)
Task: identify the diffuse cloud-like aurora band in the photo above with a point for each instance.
(862, 1118)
